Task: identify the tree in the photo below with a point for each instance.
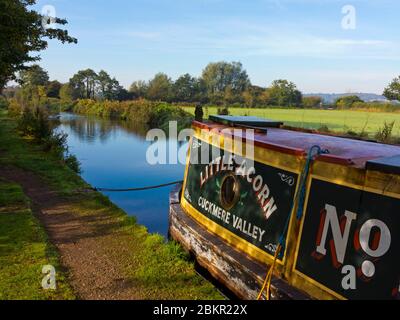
(230, 96)
(347, 101)
(105, 83)
(160, 87)
(83, 84)
(124, 95)
(33, 76)
(23, 31)
(33, 86)
(253, 96)
(185, 88)
(201, 91)
(311, 102)
(222, 75)
(53, 89)
(248, 98)
(66, 93)
(87, 84)
(265, 98)
(138, 89)
(109, 88)
(284, 93)
(392, 91)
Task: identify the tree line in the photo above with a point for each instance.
(221, 83)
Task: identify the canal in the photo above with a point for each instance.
(112, 154)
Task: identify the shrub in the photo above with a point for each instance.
(223, 111)
(347, 102)
(198, 113)
(14, 108)
(57, 144)
(384, 133)
(3, 103)
(34, 123)
(311, 102)
(324, 128)
(375, 106)
(359, 135)
(153, 114)
(73, 163)
(160, 116)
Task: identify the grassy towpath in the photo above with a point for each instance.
(98, 251)
(25, 249)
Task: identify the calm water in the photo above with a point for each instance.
(113, 155)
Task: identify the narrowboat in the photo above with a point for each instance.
(274, 212)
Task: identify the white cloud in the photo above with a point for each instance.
(236, 38)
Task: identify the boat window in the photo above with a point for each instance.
(229, 191)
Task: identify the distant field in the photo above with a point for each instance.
(335, 120)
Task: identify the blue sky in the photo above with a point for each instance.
(299, 40)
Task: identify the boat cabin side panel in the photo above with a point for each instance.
(344, 244)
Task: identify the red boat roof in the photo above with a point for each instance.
(344, 151)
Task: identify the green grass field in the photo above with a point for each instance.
(335, 120)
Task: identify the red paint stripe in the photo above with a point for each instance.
(375, 241)
(356, 240)
(335, 262)
(321, 226)
(335, 159)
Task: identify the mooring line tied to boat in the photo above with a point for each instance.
(299, 201)
(139, 188)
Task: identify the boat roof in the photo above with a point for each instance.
(342, 150)
(246, 121)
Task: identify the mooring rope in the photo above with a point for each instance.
(137, 189)
(299, 200)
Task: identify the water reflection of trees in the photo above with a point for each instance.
(89, 129)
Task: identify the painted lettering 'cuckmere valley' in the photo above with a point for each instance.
(238, 223)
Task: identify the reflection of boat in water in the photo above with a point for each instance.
(328, 221)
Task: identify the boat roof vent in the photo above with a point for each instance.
(385, 164)
(246, 121)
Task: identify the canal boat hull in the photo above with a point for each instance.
(233, 269)
(340, 241)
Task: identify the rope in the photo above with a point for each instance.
(299, 200)
(268, 278)
(137, 189)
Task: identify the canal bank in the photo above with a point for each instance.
(101, 252)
